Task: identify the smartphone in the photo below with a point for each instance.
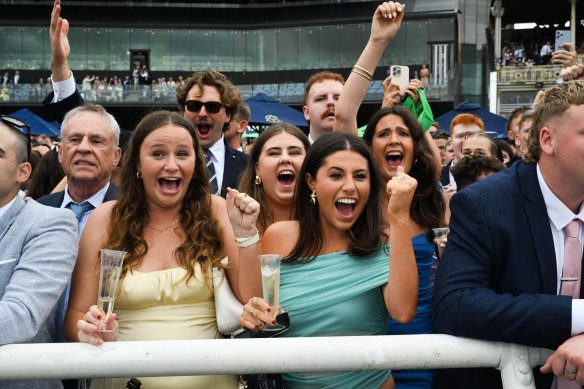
(562, 36)
(400, 75)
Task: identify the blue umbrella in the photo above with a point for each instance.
(37, 124)
(493, 123)
(265, 111)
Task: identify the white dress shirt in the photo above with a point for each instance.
(218, 159)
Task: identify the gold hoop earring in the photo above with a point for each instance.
(258, 180)
(139, 175)
(313, 197)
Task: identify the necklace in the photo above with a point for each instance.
(166, 228)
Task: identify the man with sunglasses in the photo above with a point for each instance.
(38, 249)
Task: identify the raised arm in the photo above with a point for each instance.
(60, 48)
(386, 22)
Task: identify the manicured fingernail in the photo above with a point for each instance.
(99, 316)
(273, 321)
(269, 309)
(394, 15)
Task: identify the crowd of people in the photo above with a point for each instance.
(515, 53)
(351, 215)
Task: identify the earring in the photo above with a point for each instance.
(313, 197)
(258, 180)
(415, 161)
(139, 175)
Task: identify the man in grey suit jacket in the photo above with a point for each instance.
(38, 249)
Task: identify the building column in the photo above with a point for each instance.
(497, 11)
(573, 21)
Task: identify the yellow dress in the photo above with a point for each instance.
(159, 306)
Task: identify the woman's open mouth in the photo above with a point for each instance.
(394, 159)
(169, 185)
(286, 178)
(346, 207)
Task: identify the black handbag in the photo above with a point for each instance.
(262, 380)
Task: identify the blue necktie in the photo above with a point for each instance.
(213, 187)
(80, 209)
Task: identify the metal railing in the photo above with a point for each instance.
(227, 356)
(522, 74)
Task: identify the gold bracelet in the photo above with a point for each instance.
(361, 74)
(364, 70)
(246, 242)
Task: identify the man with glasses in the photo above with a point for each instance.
(459, 127)
(209, 100)
(38, 249)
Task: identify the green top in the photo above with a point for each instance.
(331, 296)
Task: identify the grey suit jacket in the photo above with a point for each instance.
(38, 250)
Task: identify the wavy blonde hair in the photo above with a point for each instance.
(129, 217)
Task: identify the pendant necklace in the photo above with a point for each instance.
(166, 228)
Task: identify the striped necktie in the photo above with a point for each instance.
(80, 209)
(213, 187)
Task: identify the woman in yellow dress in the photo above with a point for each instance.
(175, 232)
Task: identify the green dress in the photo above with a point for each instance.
(330, 296)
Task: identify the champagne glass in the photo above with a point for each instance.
(109, 275)
(270, 264)
(441, 234)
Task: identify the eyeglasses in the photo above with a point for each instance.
(210, 106)
(19, 125)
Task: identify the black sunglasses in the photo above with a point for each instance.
(19, 125)
(210, 106)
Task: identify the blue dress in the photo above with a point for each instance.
(422, 323)
(329, 297)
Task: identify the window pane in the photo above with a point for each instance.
(417, 42)
(267, 50)
(441, 30)
(329, 47)
(288, 49)
(139, 39)
(202, 50)
(78, 42)
(251, 43)
(395, 53)
(239, 51)
(159, 50)
(181, 49)
(351, 45)
(97, 45)
(119, 43)
(32, 48)
(11, 44)
(308, 48)
(223, 50)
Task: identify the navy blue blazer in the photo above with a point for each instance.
(56, 199)
(60, 108)
(497, 278)
(235, 163)
(445, 174)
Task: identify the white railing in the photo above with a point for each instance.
(226, 356)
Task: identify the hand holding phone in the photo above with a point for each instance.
(400, 75)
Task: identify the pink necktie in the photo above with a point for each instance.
(571, 276)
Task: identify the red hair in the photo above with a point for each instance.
(467, 119)
(320, 77)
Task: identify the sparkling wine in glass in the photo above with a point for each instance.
(270, 264)
(109, 275)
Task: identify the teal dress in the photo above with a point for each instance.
(330, 296)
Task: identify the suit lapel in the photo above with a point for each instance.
(539, 224)
(9, 217)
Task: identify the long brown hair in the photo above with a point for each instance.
(247, 183)
(427, 208)
(203, 243)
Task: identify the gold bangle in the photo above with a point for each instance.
(361, 74)
(364, 70)
(246, 242)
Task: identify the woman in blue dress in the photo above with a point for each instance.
(340, 265)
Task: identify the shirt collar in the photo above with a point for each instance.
(96, 200)
(560, 215)
(218, 150)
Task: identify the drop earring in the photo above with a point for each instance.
(258, 180)
(313, 197)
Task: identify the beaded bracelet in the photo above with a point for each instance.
(246, 242)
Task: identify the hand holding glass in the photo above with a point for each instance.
(109, 275)
(270, 264)
(441, 235)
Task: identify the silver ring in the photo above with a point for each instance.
(400, 177)
(569, 370)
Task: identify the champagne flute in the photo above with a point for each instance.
(109, 275)
(441, 235)
(270, 264)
